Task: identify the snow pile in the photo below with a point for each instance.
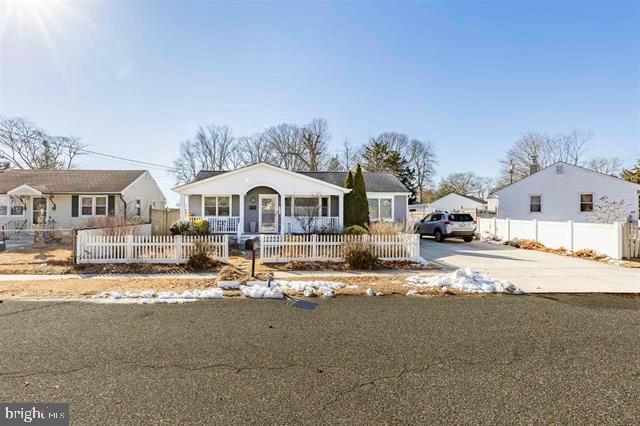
(465, 280)
(413, 293)
(150, 296)
(309, 288)
(261, 292)
(491, 239)
(229, 285)
(370, 292)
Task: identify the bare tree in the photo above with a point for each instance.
(466, 183)
(545, 149)
(609, 211)
(315, 138)
(422, 160)
(285, 141)
(334, 164)
(254, 149)
(211, 149)
(23, 145)
(396, 141)
(607, 165)
(307, 216)
(349, 156)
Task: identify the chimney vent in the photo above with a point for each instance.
(534, 167)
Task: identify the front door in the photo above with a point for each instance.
(39, 215)
(268, 214)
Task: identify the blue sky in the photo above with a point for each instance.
(136, 78)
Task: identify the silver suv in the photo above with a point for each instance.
(444, 224)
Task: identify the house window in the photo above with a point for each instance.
(324, 206)
(217, 206)
(86, 206)
(93, 205)
(306, 207)
(586, 202)
(535, 203)
(380, 209)
(17, 207)
(138, 207)
(287, 206)
(101, 206)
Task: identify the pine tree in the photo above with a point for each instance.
(359, 201)
(633, 174)
(348, 203)
(378, 156)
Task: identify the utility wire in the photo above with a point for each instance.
(100, 154)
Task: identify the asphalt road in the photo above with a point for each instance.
(533, 271)
(478, 359)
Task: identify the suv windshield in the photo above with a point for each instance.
(460, 217)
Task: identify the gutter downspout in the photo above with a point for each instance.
(125, 205)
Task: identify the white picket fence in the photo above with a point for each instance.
(329, 248)
(146, 248)
(604, 238)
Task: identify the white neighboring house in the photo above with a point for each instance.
(455, 201)
(564, 192)
(69, 198)
(266, 199)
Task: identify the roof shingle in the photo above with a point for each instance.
(69, 181)
(374, 181)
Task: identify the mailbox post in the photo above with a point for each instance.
(252, 244)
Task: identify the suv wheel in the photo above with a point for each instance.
(438, 235)
(467, 239)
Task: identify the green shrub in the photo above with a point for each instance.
(180, 227)
(359, 256)
(200, 227)
(354, 230)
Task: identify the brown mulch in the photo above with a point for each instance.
(342, 266)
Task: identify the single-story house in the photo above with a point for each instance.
(69, 198)
(455, 201)
(564, 191)
(262, 198)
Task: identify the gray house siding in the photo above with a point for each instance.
(235, 205)
(400, 208)
(251, 207)
(334, 205)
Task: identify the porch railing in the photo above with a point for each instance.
(220, 224)
(308, 224)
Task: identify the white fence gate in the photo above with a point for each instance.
(329, 248)
(604, 238)
(146, 248)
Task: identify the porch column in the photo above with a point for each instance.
(341, 211)
(282, 214)
(183, 211)
(240, 229)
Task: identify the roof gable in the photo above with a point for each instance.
(374, 181)
(549, 169)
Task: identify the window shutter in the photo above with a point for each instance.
(111, 209)
(74, 206)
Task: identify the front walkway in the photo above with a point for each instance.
(533, 271)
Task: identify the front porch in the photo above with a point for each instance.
(262, 210)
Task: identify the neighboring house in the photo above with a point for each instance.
(455, 201)
(564, 192)
(262, 198)
(68, 198)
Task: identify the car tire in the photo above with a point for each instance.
(467, 239)
(439, 236)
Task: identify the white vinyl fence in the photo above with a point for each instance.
(604, 238)
(146, 248)
(329, 248)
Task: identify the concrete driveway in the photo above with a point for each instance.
(533, 271)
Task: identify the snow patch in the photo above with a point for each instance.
(370, 292)
(465, 280)
(310, 288)
(261, 292)
(150, 296)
